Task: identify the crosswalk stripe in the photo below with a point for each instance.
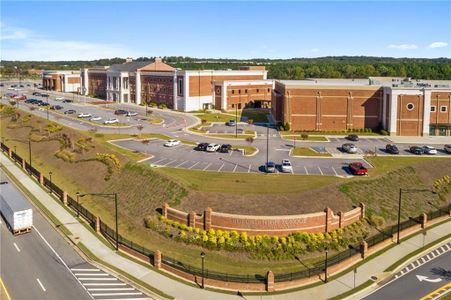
(127, 298)
(85, 270)
(116, 294)
(111, 289)
(99, 279)
(105, 284)
(91, 274)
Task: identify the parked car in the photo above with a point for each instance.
(44, 104)
(286, 166)
(270, 167)
(213, 147)
(59, 98)
(225, 148)
(349, 148)
(231, 123)
(357, 168)
(56, 107)
(353, 137)
(84, 115)
(448, 149)
(131, 114)
(67, 101)
(429, 150)
(201, 147)
(96, 118)
(120, 112)
(23, 97)
(45, 95)
(172, 143)
(111, 121)
(392, 149)
(416, 150)
(36, 94)
(69, 112)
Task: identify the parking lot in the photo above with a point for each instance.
(184, 156)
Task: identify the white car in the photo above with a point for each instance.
(111, 121)
(286, 166)
(59, 98)
(213, 147)
(349, 148)
(131, 114)
(172, 143)
(84, 115)
(96, 118)
(429, 150)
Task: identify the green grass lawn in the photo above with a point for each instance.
(320, 133)
(304, 151)
(257, 115)
(217, 117)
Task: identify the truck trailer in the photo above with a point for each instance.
(17, 214)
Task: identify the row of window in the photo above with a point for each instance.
(443, 108)
(245, 91)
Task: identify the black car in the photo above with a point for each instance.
(225, 148)
(392, 149)
(44, 104)
(416, 150)
(353, 137)
(69, 112)
(56, 107)
(201, 147)
(36, 94)
(67, 101)
(120, 112)
(36, 101)
(45, 95)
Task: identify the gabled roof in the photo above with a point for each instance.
(157, 66)
(129, 67)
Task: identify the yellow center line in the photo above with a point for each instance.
(4, 288)
(436, 292)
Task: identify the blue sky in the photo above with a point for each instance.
(66, 30)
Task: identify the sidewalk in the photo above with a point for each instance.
(181, 291)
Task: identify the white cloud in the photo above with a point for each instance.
(438, 45)
(403, 46)
(22, 44)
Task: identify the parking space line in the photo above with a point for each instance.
(170, 162)
(236, 165)
(249, 169)
(40, 283)
(17, 247)
(305, 168)
(181, 164)
(320, 170)
(193, 165)
(220, 168)
(333, 169)
(156, 162)
(206, 167)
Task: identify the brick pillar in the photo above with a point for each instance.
(10, 152)
(207, 218)
(65, 198)
(165, 210)
(328, 220)
(270, 281)
(362, 210)
(157, 259)
(192, 219)
(424, 220)
(340, 219)
(364, 249)
(41, 179)
(97, 225)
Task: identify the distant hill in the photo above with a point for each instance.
(293, 68)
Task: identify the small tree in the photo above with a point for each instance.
(140, 127)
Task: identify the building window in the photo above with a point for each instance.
(239, 91)
(180, 87)
(233, 105)
(245, 91)
(433, 108)
(268, 90)
(257, 90)
(410, 106)
(233, 92)
(443, 108)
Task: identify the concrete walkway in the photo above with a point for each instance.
(181, 291)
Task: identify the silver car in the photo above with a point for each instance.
(286, 166)
(349, 148)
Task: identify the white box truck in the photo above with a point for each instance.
(17, 213)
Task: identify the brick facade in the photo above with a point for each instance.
(440, 115)
(97, 84)
(158, 89)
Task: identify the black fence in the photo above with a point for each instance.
(315, 270)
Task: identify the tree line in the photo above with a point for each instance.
(294, 68)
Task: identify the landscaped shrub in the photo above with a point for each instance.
(384, 132)
(286, 126)
(250, 121)
(304, 136)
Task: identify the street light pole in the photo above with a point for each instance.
(51, 185)
(202, 256)
(325, 265)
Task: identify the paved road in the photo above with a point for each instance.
(43, 265)
(435, 266)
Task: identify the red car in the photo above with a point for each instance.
(358, 169)
(21, 98)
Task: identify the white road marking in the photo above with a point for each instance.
(96, 278)
(181, 164)
(333, 169)
(111, 289)
(433, 254)
(422, 260)
(283, 150)
(129, 299)
(305, 168)
(170, 162)
(91, 274)
(231, 152)
(17, 247)
(116, 294)
(428, 257)
(320, 170)
(206, 167)
(84, 270)
(249, 169)
(220, 168)
(159, 161)
(234, 168)
(193, 165)
(105, 284)
(40, 283)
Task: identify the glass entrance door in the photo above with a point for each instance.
(431, 130)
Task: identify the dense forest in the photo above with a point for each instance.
(294, 68)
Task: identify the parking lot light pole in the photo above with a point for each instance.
(202, 256)
(325, 265)
(51, 185)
